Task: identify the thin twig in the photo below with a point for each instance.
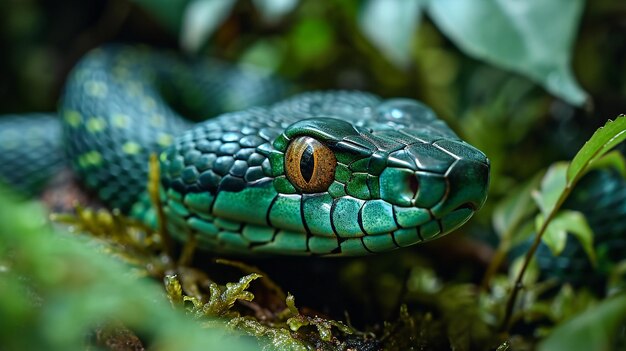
(530, 254)
(154, 193)
(495, 263)
(189, 249)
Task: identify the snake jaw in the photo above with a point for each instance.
(468, 182)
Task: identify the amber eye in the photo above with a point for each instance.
(310, 165)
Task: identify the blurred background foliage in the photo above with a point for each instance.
(58, 292)
(525, 81)
(484, 89)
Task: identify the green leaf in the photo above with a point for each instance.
(513, 209)
(532, 37)
(273, 10)
(600, 143)
(265, 55)
(390, 25)
(564, 222)
(554, 237)
(201, 19)
(613, 159)
(523, 233)
(532, 272)
(575, 223)
(168, 12)
(552, 188)
(594, 329)
(312, 41)
(616, 282)
(570, 302)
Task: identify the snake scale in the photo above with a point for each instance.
(334, 173)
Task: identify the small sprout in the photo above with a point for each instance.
(275, 338)
(291, 305)
(223, 298)
(174, 290)
(323, 326)
(267, 282)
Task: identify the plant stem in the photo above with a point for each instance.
(498, 256)
(510, 304)
(153, 191)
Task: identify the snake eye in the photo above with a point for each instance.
(310, 165)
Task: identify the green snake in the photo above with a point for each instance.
(335, 173)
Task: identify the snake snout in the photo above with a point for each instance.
(468, 181)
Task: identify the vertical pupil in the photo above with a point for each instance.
(307, 164)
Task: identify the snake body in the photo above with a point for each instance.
(601, 197)
(322, 173)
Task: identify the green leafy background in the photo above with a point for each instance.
(528, 82)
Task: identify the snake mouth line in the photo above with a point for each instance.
(445, 222)
(438, 227)
(408, 236)
(468, 205)
(355, 246)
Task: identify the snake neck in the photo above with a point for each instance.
(122, 104)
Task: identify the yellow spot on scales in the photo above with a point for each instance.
(157, 120)
(89, 159)
(72, 117)
(95, 124)
(148, 103)
(96, 88)
(164, 140)
(120, 72)
(131, 148)
(119, 120)
(134, 88)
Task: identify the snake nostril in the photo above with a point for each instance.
(413, 185)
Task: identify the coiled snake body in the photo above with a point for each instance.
(323, 173)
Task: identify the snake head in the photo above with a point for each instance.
(399, 178)
(348, 181)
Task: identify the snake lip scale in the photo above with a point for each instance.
(336, 173)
